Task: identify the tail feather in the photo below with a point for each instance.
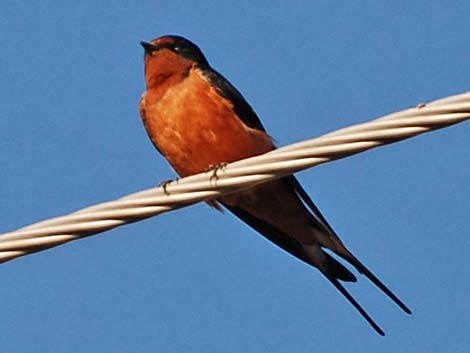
(366, 272)
(354, 303)
(337, 270)
(332, 242)
(310, 251)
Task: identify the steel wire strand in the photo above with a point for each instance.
(235, 176)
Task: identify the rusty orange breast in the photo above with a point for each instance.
(194, 127)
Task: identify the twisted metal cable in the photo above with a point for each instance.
(235, 176)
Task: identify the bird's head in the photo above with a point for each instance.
(168, 56)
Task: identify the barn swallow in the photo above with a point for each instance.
(196, 118)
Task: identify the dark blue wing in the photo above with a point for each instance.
(244, 111)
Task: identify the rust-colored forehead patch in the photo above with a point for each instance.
(162, 41)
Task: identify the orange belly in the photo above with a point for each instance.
(194, 127)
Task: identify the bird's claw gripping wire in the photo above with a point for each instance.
(214, 168)
(163, 184)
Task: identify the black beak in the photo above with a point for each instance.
(148, 47)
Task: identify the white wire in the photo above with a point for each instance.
(235, 176)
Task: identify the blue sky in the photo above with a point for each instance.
(198, 281)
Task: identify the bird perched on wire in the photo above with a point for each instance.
(196, 118)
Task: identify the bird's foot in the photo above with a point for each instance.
(163, 184)
(214, 168)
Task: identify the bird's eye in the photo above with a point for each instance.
(177, 49)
